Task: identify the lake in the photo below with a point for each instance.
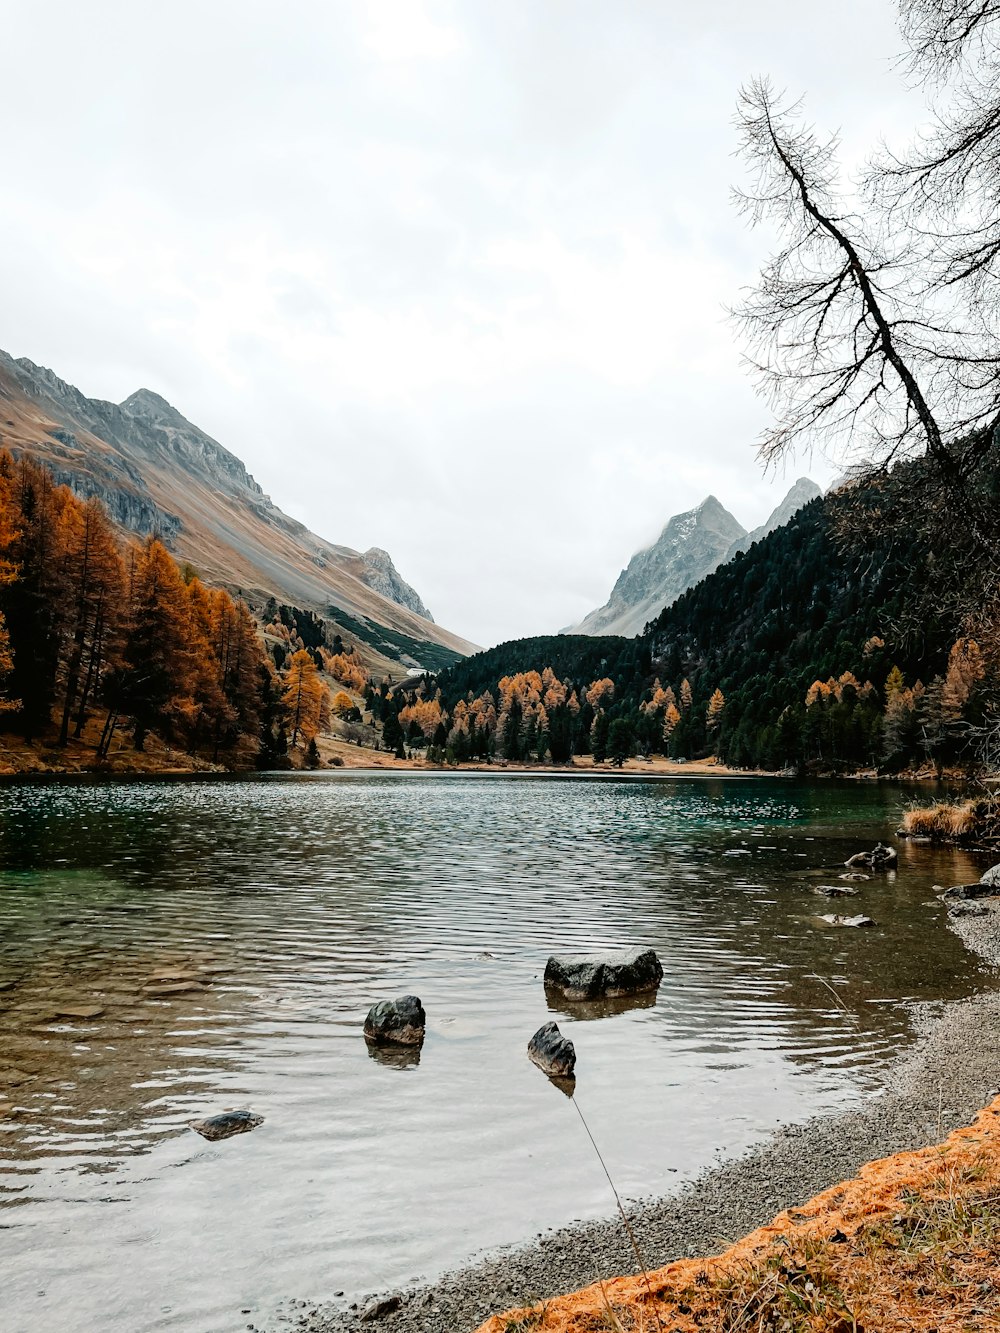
(172, 949)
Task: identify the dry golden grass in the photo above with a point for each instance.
(974, 820)
(913, 1243)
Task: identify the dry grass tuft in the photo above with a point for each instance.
(976, 820)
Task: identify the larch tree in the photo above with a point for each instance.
(716, 708)
(8, 573)
(303, 697)
(671, 719)
(157, 663)
(94, 579)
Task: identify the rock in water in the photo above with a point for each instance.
(834, 920)
(399, 1022)
(835, 891)
(227, 1124)
(553, 1053)
(879, 858)
(604, 976)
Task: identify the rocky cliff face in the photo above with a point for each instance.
(801, 494)
(157, 472)
(689, 547)
(381, 574)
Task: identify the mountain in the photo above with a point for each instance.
(800, 606)
(689, 547)
(801, 494)
(156, 472)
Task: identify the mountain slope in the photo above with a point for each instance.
(157, 472)
(801, 494)
(689, 547)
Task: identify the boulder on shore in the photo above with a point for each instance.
(968, 909)
(879, 858)
(992, 876)
(604, 976)
(399, 1022)
(968, 892)
(227, 1124)
(553, 1053)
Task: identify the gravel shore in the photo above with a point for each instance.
(953, 1071)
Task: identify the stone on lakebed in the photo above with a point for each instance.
(553, 1053)
(399, 1022)
(225, 1125)
(604, 976)
(834, 920)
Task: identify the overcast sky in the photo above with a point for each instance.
(449, 277)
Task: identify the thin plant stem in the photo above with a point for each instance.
(625, 1222)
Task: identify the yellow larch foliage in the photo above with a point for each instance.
(426, 713)
(670, 720)
(601, 692)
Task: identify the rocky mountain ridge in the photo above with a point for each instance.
(691, 546)
(157, 472)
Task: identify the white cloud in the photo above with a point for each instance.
(449, 277)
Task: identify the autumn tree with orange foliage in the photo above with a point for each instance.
(87, 620)
(305, 697)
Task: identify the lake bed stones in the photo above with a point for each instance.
(553, 1053)
(399, 1022)
(226, 1124)
(604, 976)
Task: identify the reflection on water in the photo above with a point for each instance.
(170, 951)
(584, 1011)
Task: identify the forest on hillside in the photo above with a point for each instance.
(104, 637)
(798, 654)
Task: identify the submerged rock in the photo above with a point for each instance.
(227, 1124)
(855, 877)
(553, 1053)
(833, 920)
(399, 1022)
(879, 858)
(835, 891)
(604, 976)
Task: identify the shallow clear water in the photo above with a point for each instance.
(302, 900)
